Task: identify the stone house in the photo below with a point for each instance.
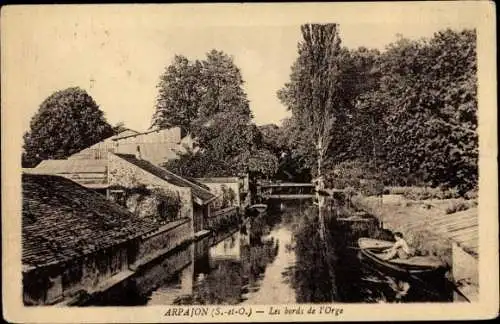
(230, 191)
(127, 171)
(74, 241)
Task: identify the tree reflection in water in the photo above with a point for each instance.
(232, 278)
(313, 276)
(331, 269)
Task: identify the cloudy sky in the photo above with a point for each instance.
(117, 53)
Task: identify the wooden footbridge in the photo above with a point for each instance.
(285, 190)
(288, 190)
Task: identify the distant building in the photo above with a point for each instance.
(225, 187)
(156, 146)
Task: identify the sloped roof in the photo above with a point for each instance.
(460, 227)
(218, 179)
(198, 183)
(127, 132)
(70, 166)
(62, 220)
(201, 193)
(154, 152)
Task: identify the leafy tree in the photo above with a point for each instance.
(229, 145)
(319, 97)
(199, 164)
(226, 134)
(429, 96)
(271, 134)
(259, 163)
(316, 94)
(222, 87)
(190, 93)
(180, 92)
(409, 112)
(207, 99)
(66, 122)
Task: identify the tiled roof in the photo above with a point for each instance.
(198, 183)
(461, 227)
(71, 166)
(62, 220)
(219, 179)
(127, 132)
(198, 191)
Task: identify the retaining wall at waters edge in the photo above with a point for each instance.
(163, 240)
(222, 218)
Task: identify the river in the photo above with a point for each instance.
(274, 258)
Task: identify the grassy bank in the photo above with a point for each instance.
(415, 219)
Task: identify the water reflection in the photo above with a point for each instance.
(229, 271)
(275, 258)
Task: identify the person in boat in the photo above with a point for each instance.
(399, 249)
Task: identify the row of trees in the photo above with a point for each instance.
(406, 115)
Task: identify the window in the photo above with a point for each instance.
(118, 196)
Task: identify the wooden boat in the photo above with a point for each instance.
(356, 219)
(258, 207)
(372, 250)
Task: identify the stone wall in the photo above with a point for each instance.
(200, 213)
(223, 218)
(465, 272)
(157, 273)
(165, 239)
(99, 267)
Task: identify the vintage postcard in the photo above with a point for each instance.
(249, 162)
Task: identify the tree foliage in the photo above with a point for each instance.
(410, 111)
(429, 97)
(191, 92)
(67, 121)
(320, 94)
(207, 99)
(179, 94)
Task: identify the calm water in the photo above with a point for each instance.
(273, 258)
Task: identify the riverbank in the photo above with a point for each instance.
(431, 227)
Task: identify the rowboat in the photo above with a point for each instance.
(373, 250)
(258, 207)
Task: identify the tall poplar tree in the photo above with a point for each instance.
(317, 95)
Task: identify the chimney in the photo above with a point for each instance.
(138, 153)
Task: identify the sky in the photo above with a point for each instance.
(117, 53)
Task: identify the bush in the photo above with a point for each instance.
(396, 190)
(423, 193)
(459, 205)
(451, 193)
(419, 193)
(471, 194)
